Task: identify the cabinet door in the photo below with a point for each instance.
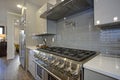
(38, 23)
(91, 75)
(45, 25)
(106, 11)
(41, 23)
(31, 66)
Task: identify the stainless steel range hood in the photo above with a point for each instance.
(67, 8)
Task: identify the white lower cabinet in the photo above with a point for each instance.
(31, 64)
(91, 75)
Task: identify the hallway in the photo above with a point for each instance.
(11, 70)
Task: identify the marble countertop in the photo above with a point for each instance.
(109, 66)
(32, 47)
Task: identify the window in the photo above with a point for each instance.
(1, 29)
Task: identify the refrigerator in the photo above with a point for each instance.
(22, 49)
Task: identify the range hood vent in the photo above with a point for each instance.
(67, 8)
(45, 34)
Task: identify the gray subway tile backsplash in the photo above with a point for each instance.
(78, 31)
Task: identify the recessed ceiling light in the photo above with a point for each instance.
(62, 0)
(19, 6)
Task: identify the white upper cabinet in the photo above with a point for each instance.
(46, 26)
(106, 12)
(45, 7)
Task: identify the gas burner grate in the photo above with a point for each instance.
(74, 54)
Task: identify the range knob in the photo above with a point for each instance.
(76, 71)
(61, 65)
(68, 67)
(57, 63)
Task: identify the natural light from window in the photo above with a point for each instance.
(1, 30)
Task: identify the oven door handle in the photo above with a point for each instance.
(47, 70)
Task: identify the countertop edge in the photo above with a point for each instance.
(31, 47)
(102, 72)
(110, 74)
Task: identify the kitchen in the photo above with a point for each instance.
(60, 31)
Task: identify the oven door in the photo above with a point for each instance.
(50, 77)
(43, 74)
(39, 73)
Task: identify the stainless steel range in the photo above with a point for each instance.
(63, 63)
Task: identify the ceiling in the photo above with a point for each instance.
(10, 5)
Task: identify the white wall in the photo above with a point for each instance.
(10, 35)
(3, 14)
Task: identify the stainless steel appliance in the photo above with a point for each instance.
(22, 48)
(66, 8)
(61, 63)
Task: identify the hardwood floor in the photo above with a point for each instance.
(11, 70)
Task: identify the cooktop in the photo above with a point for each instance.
(74, 54)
